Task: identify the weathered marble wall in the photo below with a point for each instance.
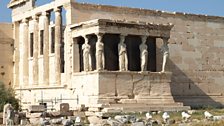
(6, 47)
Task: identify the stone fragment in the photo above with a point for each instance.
(64, 107)
(24, 122)
(138, 124)
(94, 120)
(113, 122)
(113, 110)
(36, 108)
(121, 118)
(56, 121)
(44, 122)
(218, 118)
(34, 121)
(67, 122)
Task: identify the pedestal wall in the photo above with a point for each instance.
(106, 87)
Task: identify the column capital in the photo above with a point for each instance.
(123, 34)
(165, 39)
(44, 13)
(57, 9)
(144, 38)
(34, 17)
(99, 36)
(25, 21)
(86, 38)
(122, 38)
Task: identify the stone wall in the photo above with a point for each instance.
(104, 87)
(6, 47)
(196, 45)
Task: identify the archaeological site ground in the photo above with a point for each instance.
(113, 58)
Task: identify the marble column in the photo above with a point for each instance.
(58, 38)
(16, 56)
(100, 59)
(35, 51)
(46, 48)
(25, 53)
(165, 53)
(122, 53)
(143, 53)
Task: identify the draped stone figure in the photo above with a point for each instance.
(10, 116)
(144, 54)
(122, 52)
(165, 52)
(100, 60)
(5, 109)
(86, 56)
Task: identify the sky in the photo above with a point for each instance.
(205, 7)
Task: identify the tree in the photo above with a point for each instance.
(7, 95)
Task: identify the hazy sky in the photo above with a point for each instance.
(208, 7)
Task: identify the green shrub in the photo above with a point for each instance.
(7, 95)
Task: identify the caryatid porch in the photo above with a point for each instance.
(104, 44)
(119, 61)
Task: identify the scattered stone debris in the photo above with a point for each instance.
(83, 116)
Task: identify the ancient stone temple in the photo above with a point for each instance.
(78, 53)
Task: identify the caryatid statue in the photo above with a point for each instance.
(5, 115)
(86, 55)
(144, 53)
(165, 52)
(122, 52)
(100, 60)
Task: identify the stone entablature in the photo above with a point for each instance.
(18, 15)
(145, 12)
(13, 3)
(121, 27)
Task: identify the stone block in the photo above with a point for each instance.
(94, 120)
(36, 108)
(107, 84)
(64, 107)
(166, 89)
(156, 89)
(124, 85)
(128, 101)
(113, 110)
(142, 85)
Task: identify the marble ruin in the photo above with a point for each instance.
(116, 57)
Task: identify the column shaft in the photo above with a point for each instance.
(58, 36)
(25, 53)
(35, 51)
(16, 55)
(46, 49)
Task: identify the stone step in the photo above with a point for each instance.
(179, 104)
(144, 108)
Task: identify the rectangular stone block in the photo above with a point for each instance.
(36, 108)
(64, 107)
(142, 85)
(124, 85)
(107, 85)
